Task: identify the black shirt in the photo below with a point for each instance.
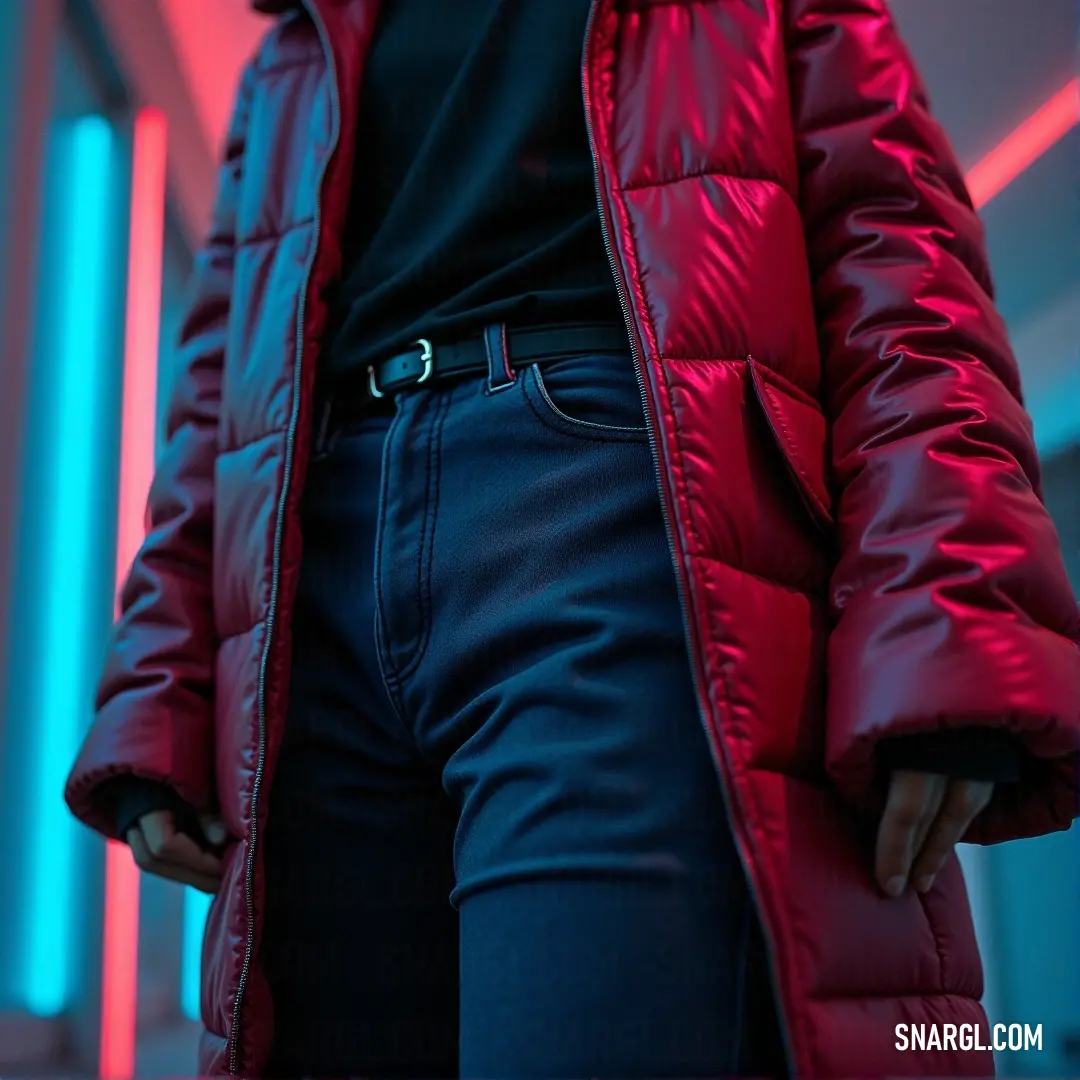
(473, 194)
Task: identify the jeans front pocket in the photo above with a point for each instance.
(590, 396)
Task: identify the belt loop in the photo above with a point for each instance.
(500, 373)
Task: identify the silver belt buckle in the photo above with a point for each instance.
(428, 356)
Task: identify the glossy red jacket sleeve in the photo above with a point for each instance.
(951, 603)
(155, 699)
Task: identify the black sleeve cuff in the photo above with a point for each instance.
(981, 753)
(133, 796)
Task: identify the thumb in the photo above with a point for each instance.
(213, 829)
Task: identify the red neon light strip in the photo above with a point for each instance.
(120, 964)
(1017, 151)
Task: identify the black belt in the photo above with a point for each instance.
(426, 362)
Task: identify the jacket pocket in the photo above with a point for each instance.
(800, 431)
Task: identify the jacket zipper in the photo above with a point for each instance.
(279, 526)
(249, 869)
(669, 530)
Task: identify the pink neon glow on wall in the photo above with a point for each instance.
(120, 964)
(1017, 151)
(213, 41)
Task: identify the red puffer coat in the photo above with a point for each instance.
(847, 471)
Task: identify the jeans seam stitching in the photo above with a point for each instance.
(427, 543)
(387, 668)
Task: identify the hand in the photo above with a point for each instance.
(925, 817)
(159, 849)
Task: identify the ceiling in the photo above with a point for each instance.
(988, 64)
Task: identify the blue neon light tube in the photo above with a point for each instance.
(68, 479)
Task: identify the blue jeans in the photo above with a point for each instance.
(497, 845)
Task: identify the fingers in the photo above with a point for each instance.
(159, 849)
(168, 845)
(963, 802)
(912, 806)
(172, 871)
